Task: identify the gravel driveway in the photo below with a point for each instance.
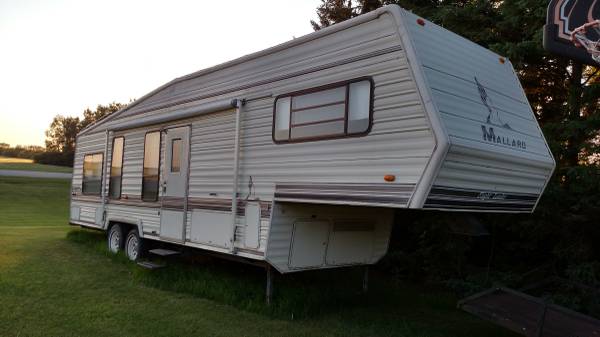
(35, 174)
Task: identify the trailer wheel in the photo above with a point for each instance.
(134, 245)
(115, 238)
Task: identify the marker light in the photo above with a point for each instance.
(421, 22)
(389, 177)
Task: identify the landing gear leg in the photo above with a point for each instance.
(365, 284)
(269, 290)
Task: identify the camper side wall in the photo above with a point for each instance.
(338, 169)
(86, 201)
(326, 170)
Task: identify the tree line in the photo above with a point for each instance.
(61, 137)
(62, 133)
(20, 151)
(560, 240)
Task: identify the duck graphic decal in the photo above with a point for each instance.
(495, 120)
(493, 117)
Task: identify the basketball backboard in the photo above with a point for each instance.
(564, 16)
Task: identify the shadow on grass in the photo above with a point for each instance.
(296, 296)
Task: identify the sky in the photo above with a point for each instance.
(62, 56)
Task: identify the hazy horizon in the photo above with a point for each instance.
(63, 56)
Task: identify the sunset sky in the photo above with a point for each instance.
(62, 56)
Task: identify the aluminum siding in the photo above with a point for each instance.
(400, 142)
(149, 217)
(86, 144)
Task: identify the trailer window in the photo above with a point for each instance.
(151, 164)
(176, 155)
(338, 110)
(116, 169)
(92, 174)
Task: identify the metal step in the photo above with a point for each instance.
(150, 265)
(164, 252)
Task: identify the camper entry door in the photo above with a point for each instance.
(174, 185)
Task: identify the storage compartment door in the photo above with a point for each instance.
(171, 224)
(350, 242)
(309, 244)
(252, 233)
(211, 228)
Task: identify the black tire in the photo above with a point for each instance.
(134, 246)
(115, 238)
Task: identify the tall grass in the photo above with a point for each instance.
(297, 296)
(330, 297)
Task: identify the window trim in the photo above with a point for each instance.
(101, 173)
(345, 134)
(160, 132)
(112, 149)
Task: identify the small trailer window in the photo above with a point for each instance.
(151, 164)
(92, 174)
(338, 110)
(116, 169)
(176, 155)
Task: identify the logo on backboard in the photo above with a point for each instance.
(495, 120)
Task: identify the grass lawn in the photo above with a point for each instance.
(21, 164)
(57, 280)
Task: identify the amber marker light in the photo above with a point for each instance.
(389, 177)
(502, 60)
(421, 22)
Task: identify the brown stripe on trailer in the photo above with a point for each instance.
(135, 201)
(384, 194)
(173, 203)
(85, 198)
(177, 203)
(224, 205)
(444, 197)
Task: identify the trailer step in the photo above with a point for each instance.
(150, 265)
(164, 252)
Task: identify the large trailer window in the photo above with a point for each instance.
(338, 110)
(92, 174)
(116, 169)
(151, 164)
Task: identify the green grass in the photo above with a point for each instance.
(34, 202)
(26, 165)
(57, 280)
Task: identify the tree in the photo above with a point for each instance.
(565, 98)
(63, 130)
(91, 116)
(335, 11)
(60, 137)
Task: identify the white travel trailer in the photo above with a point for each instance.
(298, 155)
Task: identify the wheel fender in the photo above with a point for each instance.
(137, 225)
(139, 229)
